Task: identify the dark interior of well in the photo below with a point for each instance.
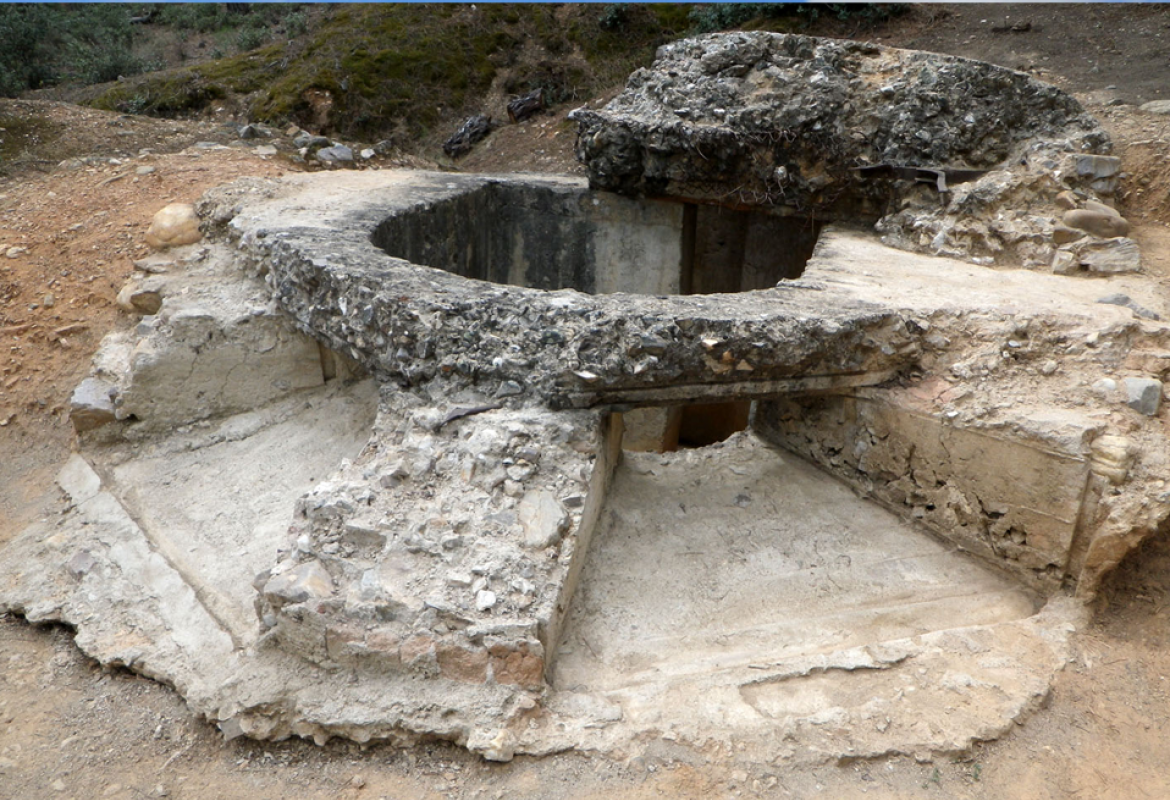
(731, 250)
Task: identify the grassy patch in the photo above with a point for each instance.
(26, 138)
(405, 71)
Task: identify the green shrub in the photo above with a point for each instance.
(24, 32)
(295, 24)
(43, 44)
(251, 37)
(722, 16)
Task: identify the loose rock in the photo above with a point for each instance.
(1124, 300)
(308, 581)
(1156, 107)
(1110, 256)
(173, 226)
(543, 518)
(470, 133)
(91, 405)
(337, 154)
(1098, 223)
(135, 299)
(1144, 395)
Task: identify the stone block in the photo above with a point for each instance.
(1065, 263)
(457, 663)
(543, 518)
(1098, 166)
(211, 361)
(139, 300)
(91, 405)
(1144, 395)
(418, 653)
(343, 643)
(516, 665)
(309, 581)
(1110, 256)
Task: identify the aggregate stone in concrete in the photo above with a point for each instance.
(825, 128)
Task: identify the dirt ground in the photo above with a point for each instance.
(68, 729)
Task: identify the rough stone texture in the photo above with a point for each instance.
(474, 576)
(1009, 500)
(212, 350)
(139, 299)
(471, 132)
(564, 348)
(786, 121)
(92, 404)
(335, 154)
(1144, 395)
(1107, 256)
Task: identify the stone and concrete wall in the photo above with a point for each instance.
(413, 325)
(948, 156)
(1016, 502)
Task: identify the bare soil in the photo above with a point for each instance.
(68, 729)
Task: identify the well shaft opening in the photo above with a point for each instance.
(600, 243)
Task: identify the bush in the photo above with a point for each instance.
(24, 32)
(250, 38)
(295, 24)
(721, 16)
(41, 45)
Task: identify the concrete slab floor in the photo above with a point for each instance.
(738, 553)
(217, 501)
(735, 593)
